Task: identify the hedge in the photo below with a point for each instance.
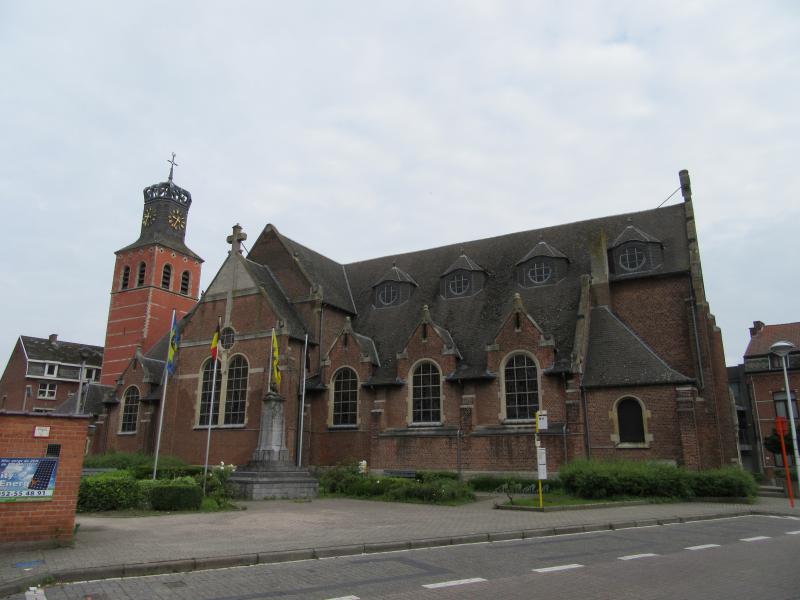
(607, 479)
(491, 483)
(176, 496)
(108, 491)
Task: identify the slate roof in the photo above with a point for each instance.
(395, 274)
(618, 357)
(463, 263)
(149, 237)
(760, 343)
(94, 397)
(542, 249)
(63, 352)
(633, 234)
(474, 321)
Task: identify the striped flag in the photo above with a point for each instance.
(276, 374)
(174, 340)
(215, 343)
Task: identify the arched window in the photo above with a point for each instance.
(426, 394)
(632, 258)
(185, 280)
(140, 277)
(521, 387)
(205, 393)
(236, 392)
(130, 410)
(345, 397)
(631, 421)
(166, 277)
(126, 277)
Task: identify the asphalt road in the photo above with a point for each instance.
(751, 558)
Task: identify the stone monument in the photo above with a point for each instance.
(270, 473)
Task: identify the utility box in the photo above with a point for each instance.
(41, 458)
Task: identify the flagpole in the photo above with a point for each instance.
(210, 415)
(163, 395)
(302, 404)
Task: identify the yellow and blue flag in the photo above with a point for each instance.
(174, 340)
(276, 374)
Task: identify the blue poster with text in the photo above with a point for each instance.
(27, 479)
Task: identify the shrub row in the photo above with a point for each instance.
(118, 490)
(607, 479)
(429, 487)
(132, 460)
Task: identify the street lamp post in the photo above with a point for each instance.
(782, 349)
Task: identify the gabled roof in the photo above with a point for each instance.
(395, 274)
(633, 234)
(264, 278)
(365, 344)
(94, 395)
(760, 342)
(322, 271)
(63, 352)
(542, 249)
(463, 263)
(618, 357)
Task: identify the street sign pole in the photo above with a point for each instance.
(780, 425)
(541, 453)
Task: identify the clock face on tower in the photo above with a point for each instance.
(149, 216)
(176, 220)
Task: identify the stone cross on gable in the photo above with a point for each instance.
(236, 238)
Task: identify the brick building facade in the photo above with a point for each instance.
(43, 374)
(65, 444)
(440, 358)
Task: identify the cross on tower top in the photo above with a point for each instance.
(172, 164)
(236, 238)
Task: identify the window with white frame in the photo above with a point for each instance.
(50, 369)
(236, 392)
(47, 391)
(521, 381)
(540, 272)
(130, 410)
(206, 389)
(345, 398)
(426, 397)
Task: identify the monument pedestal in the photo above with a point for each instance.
(270, 474)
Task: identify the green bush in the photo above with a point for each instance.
(176, 495)
(492, 483)
(431, 475)
(723, 483)
(607, 479)
(116, 490)
(141, 465)
(218, 485)
(168, 471)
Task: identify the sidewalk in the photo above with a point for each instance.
(274, 531)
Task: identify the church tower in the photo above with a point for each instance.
(152, 276)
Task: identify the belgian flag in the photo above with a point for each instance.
(215, 343)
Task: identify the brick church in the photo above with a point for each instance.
(435, 359)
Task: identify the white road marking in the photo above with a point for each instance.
(557, 568)
(443, 584)
(793, 532)
(345, 598)
(635, 556)
(757, 538)
(703, 547)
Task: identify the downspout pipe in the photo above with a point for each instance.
(587, 446)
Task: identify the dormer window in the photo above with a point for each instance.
(543, 265)
(634, 251)
(388, 294)
(463, 278)
(632, 258)
(540, 272)
(458, 284)
(393, 289)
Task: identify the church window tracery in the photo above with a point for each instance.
(632, 258)
(345, 398)
(388, 294)
(130, 410)
(458, 284)
(236, 393)
(521, 387)
(539, 272)
(205, 393)
(426, 395)
(166, 276)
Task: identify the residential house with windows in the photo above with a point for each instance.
(43, 373)
(760, 386)
(441, 358)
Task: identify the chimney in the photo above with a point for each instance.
(53, 338)
(756, 328)
(686, 185)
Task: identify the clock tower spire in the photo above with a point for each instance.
(152, 276)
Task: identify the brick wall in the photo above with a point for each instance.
(52, 519)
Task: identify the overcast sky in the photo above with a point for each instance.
(364, 129)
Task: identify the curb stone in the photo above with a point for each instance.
(279, 556)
